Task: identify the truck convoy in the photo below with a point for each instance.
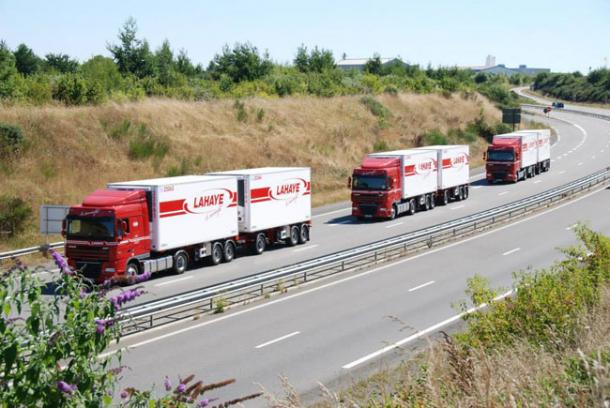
(518, 155)
(153, 225)
(405, 181)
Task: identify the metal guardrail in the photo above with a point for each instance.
(30, 250)
(575, 111)
(243, 290)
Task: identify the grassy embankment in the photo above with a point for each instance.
(71, 151)
(547, 346)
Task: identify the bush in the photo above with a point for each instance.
(12, 141)
(240, 111)
(435, 137)
(181, 170)
(15, 214)
(71, 90)
(380, 146)
(146, 144)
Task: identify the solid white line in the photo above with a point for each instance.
(173, 281)
(502, 193)
(333, 283)
(331, 212)
(570, 227)
(420, 334)
(421, 286)
(457, 207)
(305, 248)
(278, 339)
(394, 225)
(537, 181)
(475, 187)
(579, 164)
(334, 224)
(562, 171)
(512, 251)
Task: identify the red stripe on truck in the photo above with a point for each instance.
(258, 193)
(173, 214)
(171, 206)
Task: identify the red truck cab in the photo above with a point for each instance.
(503, 160)
(107, 230)
(376, 187)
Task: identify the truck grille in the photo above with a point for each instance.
(87, 253)
(368, 209)
(367, 199)
(90, 270)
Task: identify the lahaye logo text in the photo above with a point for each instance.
(289, 189)
(209, 201)
(425, 167)
(459, 161)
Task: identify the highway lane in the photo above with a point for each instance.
(335, 230)
(325, 331)
(548, 101)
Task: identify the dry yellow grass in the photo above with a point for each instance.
(72, 151)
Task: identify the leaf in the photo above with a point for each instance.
(7, 309)
(10, 355)
(107, 400)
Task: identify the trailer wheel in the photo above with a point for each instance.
(293, 239)
(426, 205)
(133, 269)
(304, 234)
(460, 195)
(445, 197)
(432, 201)
(259, 244)
(217, 254)
(181, 261)
(411, 209)
(229, 251)
(465, 193)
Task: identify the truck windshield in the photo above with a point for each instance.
(500, 155)
(370, 183)
(93, 228)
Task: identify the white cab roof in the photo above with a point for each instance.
(165, 181)
(406, 152)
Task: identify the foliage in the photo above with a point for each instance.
(242, 63)
(147, 144)
(378, 109)
(133, 55)
(594, 87)
(318, 60)
(26, 61)
(373, 65)
(12, 141)
(8, 71)
(15, 214)
(61, 63)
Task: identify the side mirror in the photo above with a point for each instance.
(349, 182)
(484, 155)
(122, 229)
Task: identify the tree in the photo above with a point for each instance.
(26, 61)
(164, 62)
(61, 63)
(8, 71)
(133, 56)
(373, 65)
(301, 61)
(318, 60)
(104, 71)
(242, 63)
(184, 64)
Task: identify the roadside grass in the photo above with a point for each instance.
(87, 147)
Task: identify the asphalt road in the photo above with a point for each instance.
(546, 101)
(580, 150)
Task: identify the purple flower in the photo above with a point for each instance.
(103, 324)
(83, 293)
(124, 394)
(61, 263)
(125, 297)
(142, 278)
(99, 329)
(66, 388)
(181, 388)
(203, 403)
(167, 383)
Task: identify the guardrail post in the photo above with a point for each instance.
(262, 289)
(342, 265)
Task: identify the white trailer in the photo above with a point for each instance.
(453, 162)
(543, 143)
(274, 203)
(188, 210)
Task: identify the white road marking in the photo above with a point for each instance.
(537, 181)
(562, 171)
(512, 251)
(475, 187)
(305, 248)
(502, 193)
(394, 225)
(601, 151)
(420, 333)
(169, 282)
(423, 285)
(570, 227)
(331, 212)
(457, 207)
(579, 164)
(278, 339)
(331, 284)
(593, 157)
(334, 224)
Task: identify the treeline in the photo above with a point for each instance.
(594, 87)
(135, 71)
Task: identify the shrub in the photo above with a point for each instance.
(260, 115)
(380, 145)
(15, 214)
(12, 141)
(70, 89)
(181, 170)
(146, 144)
(240, 111)
(391, 90)
(435, 137)
(375, 107)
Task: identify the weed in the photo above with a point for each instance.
(147, 144)
(12, 141)
(240, 111)
(219, 305)
(380, 145)
(15, 214)
(260, 115)
(181, 170)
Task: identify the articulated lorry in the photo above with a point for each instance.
(170, 223)
(518, 155)
(388, 184)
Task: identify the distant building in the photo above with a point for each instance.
(359, 63)
(490, 61)
(502, 69)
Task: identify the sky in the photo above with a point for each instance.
(562, 35)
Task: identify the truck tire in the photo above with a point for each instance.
(444, 198)
(465, 193)
(394, 212)
(132, 269)
(411, 209)
(217, 253)
(304, 234)
(426, 205)
(432, 201)
(293, 238)
(259, 244)
(181, 262)
(460, 195)
(228, 254)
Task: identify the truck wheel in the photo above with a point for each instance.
(460, 195)
(259, 244)
(411, 209)
(229, 251)
(293, 239)
(304, 234)
(465, 193)
(432, 202)
(426, 206)
(394, 212)
(181, 261)
(445, 197)
(217, 253)
(133, 269)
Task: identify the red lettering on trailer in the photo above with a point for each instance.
(208, 201)
(293, 188)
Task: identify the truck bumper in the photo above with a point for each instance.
(370, 211)
(97, 271)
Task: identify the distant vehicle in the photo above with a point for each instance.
(557, 105)
(405, 181)
(518, 155)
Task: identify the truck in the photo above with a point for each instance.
(388, 184)
(148, 226)
(518, 155)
